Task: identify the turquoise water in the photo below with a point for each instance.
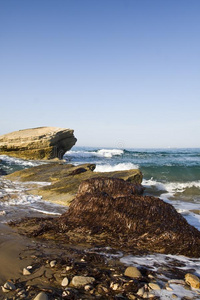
(171, 174)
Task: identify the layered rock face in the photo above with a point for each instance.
(112, 209)
(38, 143)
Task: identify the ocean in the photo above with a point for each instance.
(170, 174)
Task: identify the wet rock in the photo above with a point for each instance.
(37, 143)
(9, 285)
(65, 179)
(192, 280)
(41, 296)
(154, 286)
(81, 281)
(132, 272)
(141, 291)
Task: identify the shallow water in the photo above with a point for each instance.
(173, 175)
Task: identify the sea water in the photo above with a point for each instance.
(170, 174)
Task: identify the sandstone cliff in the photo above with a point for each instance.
(37, 143)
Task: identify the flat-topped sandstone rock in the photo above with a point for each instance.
(38, 143)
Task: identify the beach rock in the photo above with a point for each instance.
(26, 271)
(37, 143)
(53, 263)
(9, 285)
(141, 291)
(81, 281)
(110, 208)
(132, 272)
(65, 281)
(192, 280)
(154, 286)
(41, 296)
(65, 180)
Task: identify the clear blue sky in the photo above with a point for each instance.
(121, 73)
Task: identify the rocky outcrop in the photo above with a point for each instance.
(38, 143)
(111, 209)
(66, 178)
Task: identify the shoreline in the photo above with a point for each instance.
(18, 251)
(105, 265)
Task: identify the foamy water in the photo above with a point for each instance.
(17, 202)
(174, 176)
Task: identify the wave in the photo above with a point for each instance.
(117, 167)
(17, 161)
(109, 153)
(171, 187)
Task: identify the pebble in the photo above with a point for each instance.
(140, 292)
(9, 285)
(154, 286)
(81, 281)
(52, 263)
(145, 295)
(114, 286)
(132, 272)
(65, 281)
(26, 272)
(168, 288)
(192, 280)
(68, 268)
(88, 287)
(41, 296)
(5, 290)
(131, 297)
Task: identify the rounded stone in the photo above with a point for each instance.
(9, 285)
(52, 263)
(192, 280)
(154, 286)
(81, 281)
(41, 296)
(132, 272)
(65, 281)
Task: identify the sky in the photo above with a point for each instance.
(121, 73)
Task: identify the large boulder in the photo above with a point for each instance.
(113, 210)
(37, 143)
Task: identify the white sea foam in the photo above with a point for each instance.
(117, 167)
(17, 161)
(110, 152)
(15, 197)
(100, 153)
(169, 192)
(171, 187)
(46, 212)
(156, 261)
